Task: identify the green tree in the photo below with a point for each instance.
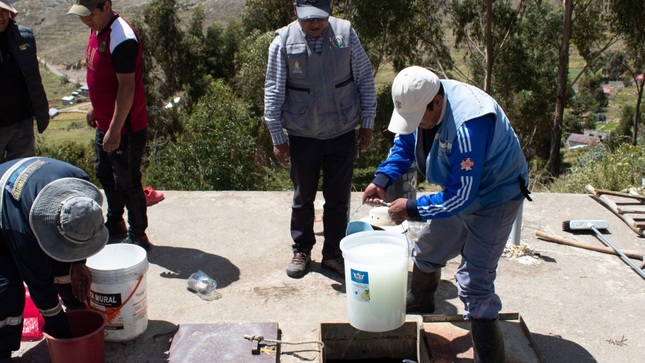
(399, 32)
(584, 26)
(216, 150)
(627, 19)
(611, 64)
(524, 77)
(163, 40)
(249, 85)
(267, 15)
(482, 28)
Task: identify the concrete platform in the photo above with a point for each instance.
(580, 305)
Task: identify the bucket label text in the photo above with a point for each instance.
(107, 300)
(360, 285)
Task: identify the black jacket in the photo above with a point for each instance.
(23, 47)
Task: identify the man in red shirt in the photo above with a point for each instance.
(118, 112)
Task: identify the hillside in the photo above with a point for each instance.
(61, 39)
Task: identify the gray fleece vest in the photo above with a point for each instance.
(321, 99)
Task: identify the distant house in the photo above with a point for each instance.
(576, 141)
(68, 100)
(84, 91)
(595, 133)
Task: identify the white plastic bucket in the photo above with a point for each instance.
(376, 278)
(119, 289)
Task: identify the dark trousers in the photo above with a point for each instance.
(335, 159)
(17, 140)
(120, 175)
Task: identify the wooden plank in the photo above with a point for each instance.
(620, 209)
(547, 237)
(630, 210)
(449, 339)
(603, 199)
(595, 191)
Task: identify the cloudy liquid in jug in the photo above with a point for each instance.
(376, 287)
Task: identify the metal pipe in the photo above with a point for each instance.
(516, 231)
(618, 251)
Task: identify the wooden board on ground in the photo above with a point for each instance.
(628, 207)
(449, 339)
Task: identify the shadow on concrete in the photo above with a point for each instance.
(150, 347)
(555, 349)
(38, 354)
(182, 262)
(338, 282)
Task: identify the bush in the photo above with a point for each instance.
(71, 152)
(604, 169)
(215, 151)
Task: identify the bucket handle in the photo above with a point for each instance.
(112, 313)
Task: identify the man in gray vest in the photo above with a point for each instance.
(319, 87)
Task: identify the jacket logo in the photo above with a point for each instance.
(467, 164)
(339, 42)
(398, 104)
(296, 68)
(23, 47)
(102, 47)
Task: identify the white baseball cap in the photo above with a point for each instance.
(412, 90)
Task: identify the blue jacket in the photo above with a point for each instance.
(474, 156)
(23, 48)
(31, 263)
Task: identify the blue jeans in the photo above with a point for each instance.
(120, 175)
(480, 238)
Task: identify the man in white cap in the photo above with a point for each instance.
(319, 87)
(114, 58)
(22, 96)
(52, 221)
(461, 140)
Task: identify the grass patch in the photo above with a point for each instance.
(55, 88)
(68, 127)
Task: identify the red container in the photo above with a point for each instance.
(32, 325)
(88, 344)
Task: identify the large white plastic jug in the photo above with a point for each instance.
(376, 277)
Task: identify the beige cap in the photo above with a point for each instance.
(4, 4)
(412, 90)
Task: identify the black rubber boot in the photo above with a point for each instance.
(488, 341)
(420, 298)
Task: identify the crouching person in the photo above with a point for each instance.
(461, 140)
(52, 221)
